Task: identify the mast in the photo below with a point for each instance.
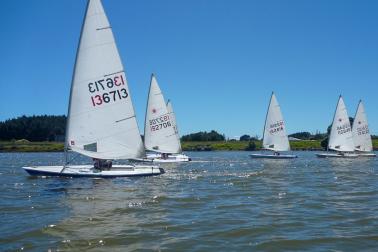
(360, 130)
(266, 117)
(146, 114)
(333, 120)
(71, 90)
(101, 118)
(341, 137)
(159, 133)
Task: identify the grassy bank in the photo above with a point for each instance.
(244, 145)
(241, 145)
(26, 146)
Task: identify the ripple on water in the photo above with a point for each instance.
(223, 201)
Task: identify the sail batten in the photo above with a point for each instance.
(341, 138)
(159, 132)
(101, 112)
(360, 130)
(275, 137)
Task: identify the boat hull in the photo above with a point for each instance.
(336, 155)
(272, 156)
(172, 158)
(366, 154)
(90, 171)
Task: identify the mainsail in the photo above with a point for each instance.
(341, 138)
(101, 119)
(159, 133)
(360, 129)
(174, 123)
(275, 137)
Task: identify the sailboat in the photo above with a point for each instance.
(361, 135)
(274, 136)
(101, 122)
(161, 136)
(341, 137)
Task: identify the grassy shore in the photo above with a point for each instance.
(26, 146)
(244, 145)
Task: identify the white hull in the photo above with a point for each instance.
(368, 154)
(336, 155)
(90, 171)
(171, 158)
(272, 156)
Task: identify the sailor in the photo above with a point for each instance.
(102, 164)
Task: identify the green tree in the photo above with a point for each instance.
(203, 136)
(251, 146)
(33, 128)
(245, 138)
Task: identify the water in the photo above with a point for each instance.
(223, 201)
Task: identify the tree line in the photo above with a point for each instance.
(34, 128)
(203, 136)
(52, 128)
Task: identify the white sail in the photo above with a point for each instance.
(101, 119)
(174, 123)
(360, 129)
(341, 138)
(275, 137)
(159, 133)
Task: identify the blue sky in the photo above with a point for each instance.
(218, 61)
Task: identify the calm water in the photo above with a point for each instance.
(224, 201)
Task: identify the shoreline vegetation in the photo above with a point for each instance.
(45, 133)
(232, 145)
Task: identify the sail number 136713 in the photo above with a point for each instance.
(113, 88)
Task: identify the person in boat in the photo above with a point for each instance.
(164, 155)
(102, 164)
(276, 153)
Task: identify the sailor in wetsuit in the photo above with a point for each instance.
(102, 164)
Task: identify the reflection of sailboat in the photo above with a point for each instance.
(101, 122)
(160, 132)
(341, 138)
(361, 135)
(93, 213)
(275, 137)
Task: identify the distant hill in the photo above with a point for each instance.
(34, 128)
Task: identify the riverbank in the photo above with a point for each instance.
(26, 146)
(244, 145)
